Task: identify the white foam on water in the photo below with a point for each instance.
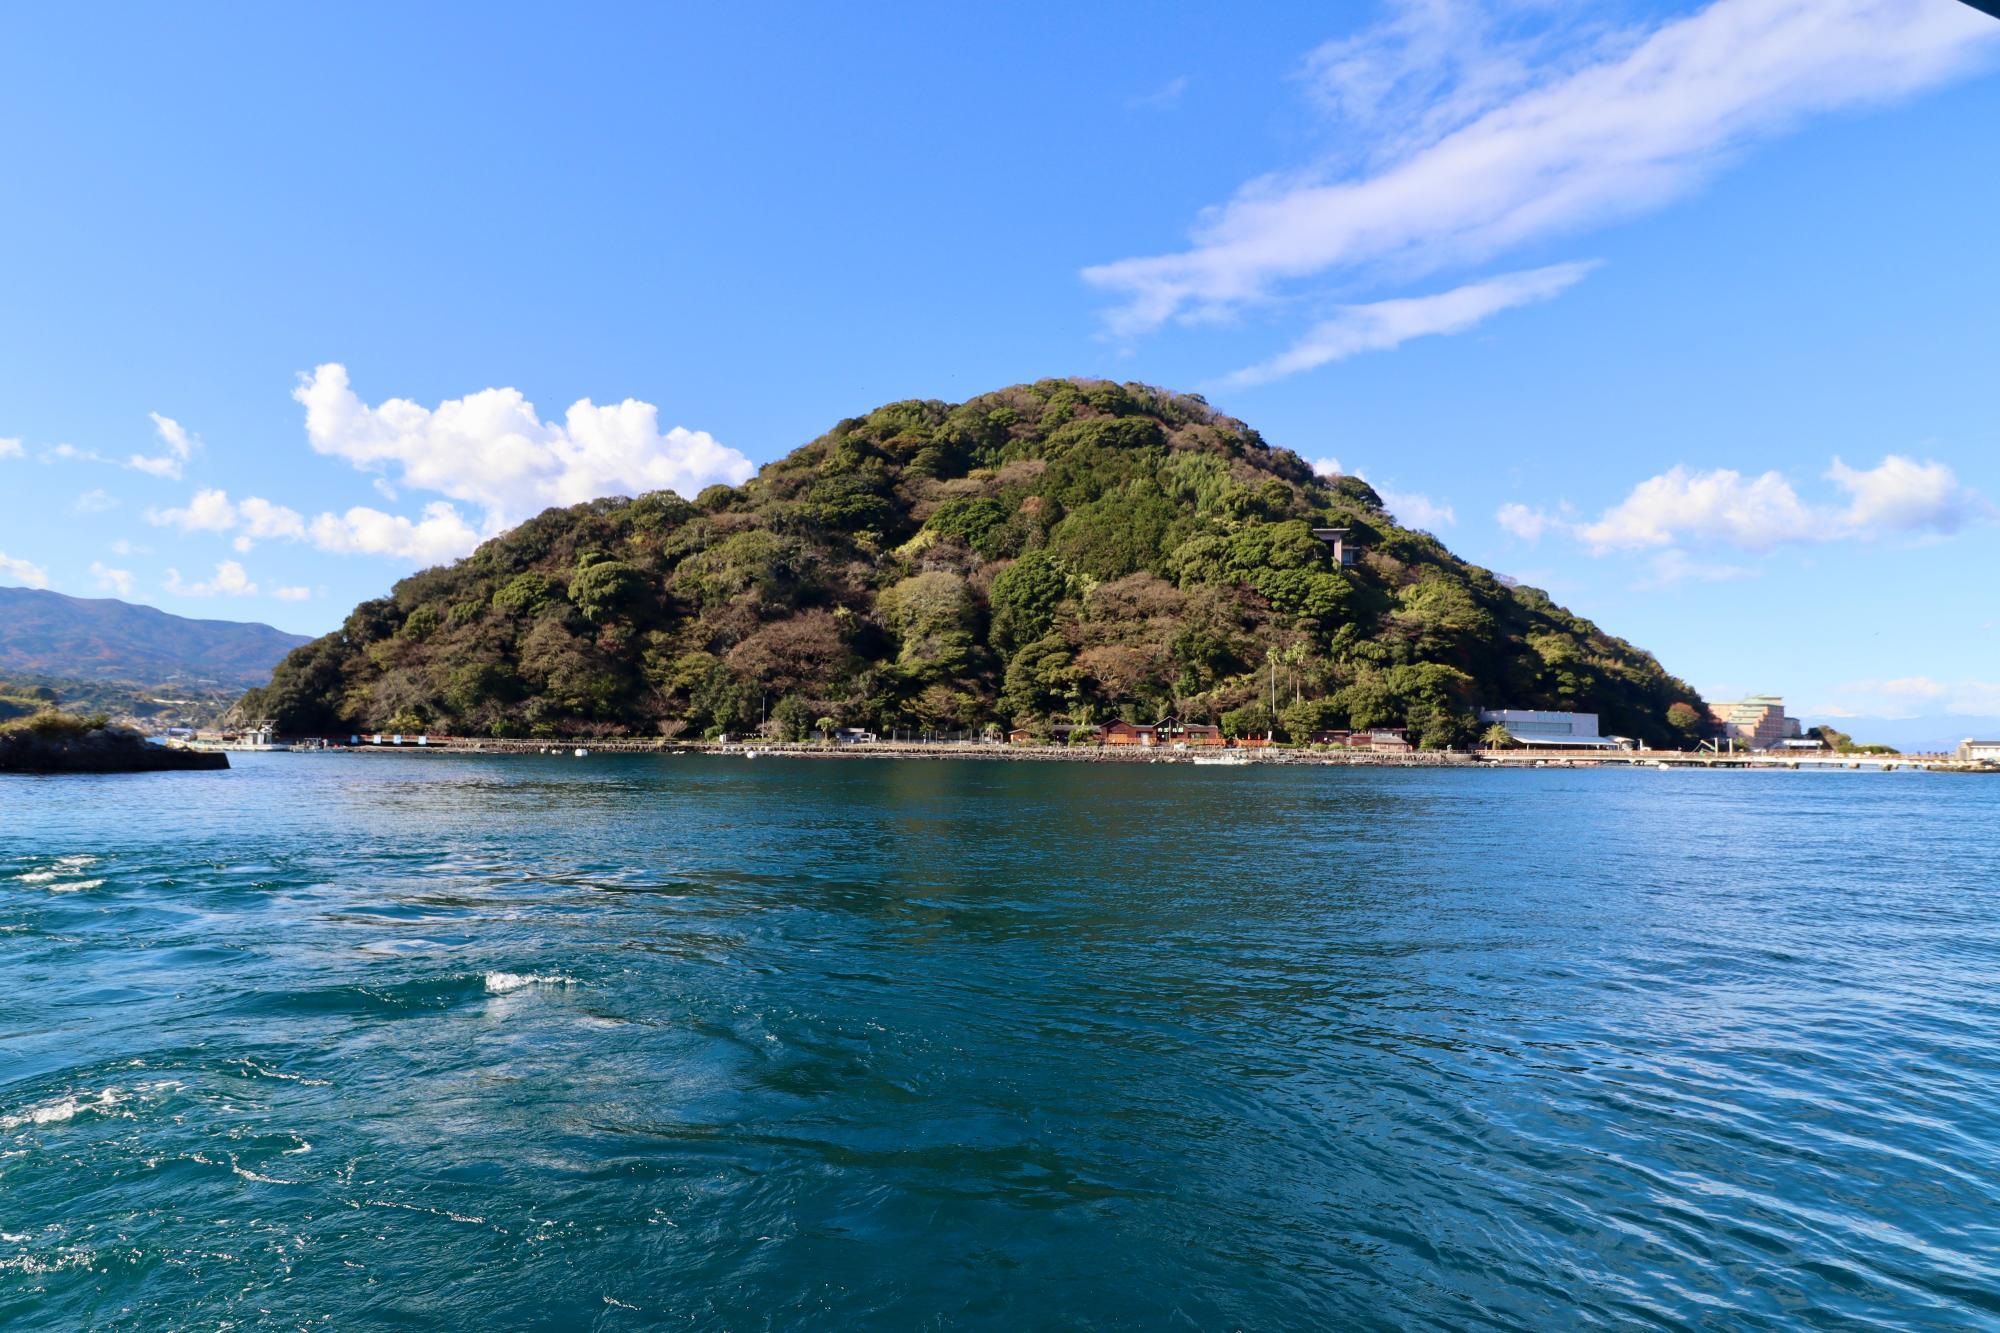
(61, 874)
(613, 1300)
(33, 1266)
(500, 983)
(59, 1112)
(248, 1174)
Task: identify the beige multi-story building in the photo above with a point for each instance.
(1757, 723)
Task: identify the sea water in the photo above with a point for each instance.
(367, 1040)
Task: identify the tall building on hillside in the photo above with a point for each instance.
(1757, 723)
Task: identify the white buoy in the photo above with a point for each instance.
(582, 753)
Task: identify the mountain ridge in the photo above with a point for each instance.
(43, 632)
(1064, 550)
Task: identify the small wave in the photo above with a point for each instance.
(446, 1213)
(36, 1267)
(248, 1174)
(56, 1113)
(250, 1068)
(499, 983)
(613, 1300)
(61, 874)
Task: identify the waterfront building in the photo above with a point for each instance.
(1172, 730)
(1542, 729)
(1131, 733)
(1756, 723)
(1978, 752)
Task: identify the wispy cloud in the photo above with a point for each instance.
(96, 500)
(23, 571)
(108, 579)
(1381, 325)
(1161, 98)
(11, 447)
(1494, 146)
(1414, 510)
(1912, 696)
(180, 448)
(1673, 566)
(229, 580)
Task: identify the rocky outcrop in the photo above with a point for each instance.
(99, 750)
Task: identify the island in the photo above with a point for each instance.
(1047, 558)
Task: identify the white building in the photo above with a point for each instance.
(1542, 730)
(1338, 540)
(1978, 752)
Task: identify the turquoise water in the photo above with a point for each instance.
(359, 1041)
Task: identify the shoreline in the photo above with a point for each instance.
(1204, 758)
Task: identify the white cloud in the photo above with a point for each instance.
(292, 594)
(209, 511)
(1897, 497)
(10, 447)
(1723, 505)
(180, 448)
(69, 453)
(1328, 467)
(441, 535)
(1507, 145)
(263, 520)
(1903, 495)
(124, 547)
(491, 448)
(1913, 696)
(111, 580)
(1525, 523)
(1382, 325)
(1418, 511)
(22, 571)
(96, 500)
(230, 580)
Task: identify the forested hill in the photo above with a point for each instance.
(1066, 550)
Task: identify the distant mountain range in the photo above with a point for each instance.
(1917, 735)
(100, 638)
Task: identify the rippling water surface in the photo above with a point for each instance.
(364, 1040)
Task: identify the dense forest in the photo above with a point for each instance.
(1069, 550)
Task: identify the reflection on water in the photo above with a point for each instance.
(364, 1039)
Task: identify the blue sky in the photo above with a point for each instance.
(293, 303)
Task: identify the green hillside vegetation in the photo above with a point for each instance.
(1067, 550)
(182, 703)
